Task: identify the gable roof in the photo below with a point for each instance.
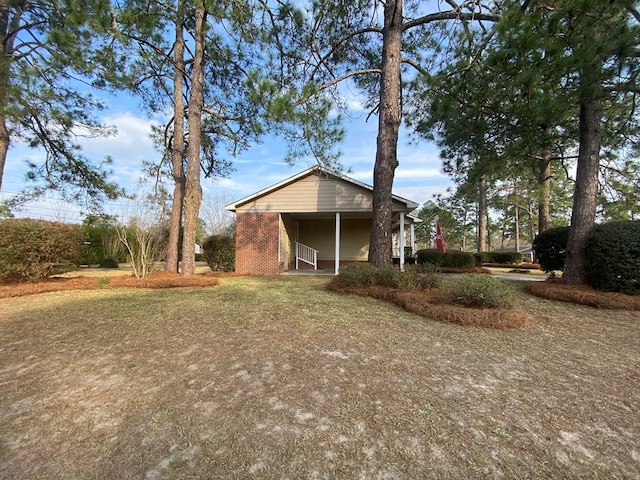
(318, 170)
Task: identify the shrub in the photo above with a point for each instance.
(357, 275)
(453, 259)
(613, 257)
(551, 248)
(418, 277)
(109, 263)
(497, 257)
(34, 249)
(478, 291)
(388, 277)
(506, 257)
(430, 256)
(364, 275)
(144, 245)
(102, 237)
(482, 257)
(457, 259)
(219, 251)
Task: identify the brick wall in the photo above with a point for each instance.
(257, 243)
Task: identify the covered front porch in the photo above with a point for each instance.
(322, 242)
(317, 219)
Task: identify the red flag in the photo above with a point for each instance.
(439, 238)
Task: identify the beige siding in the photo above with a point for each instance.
(354, 238)
(315, 194)
(319, 234)
(287, 239)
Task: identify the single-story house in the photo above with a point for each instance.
(316, 219)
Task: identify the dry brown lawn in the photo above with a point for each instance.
(279, 378)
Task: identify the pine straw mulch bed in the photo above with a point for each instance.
(555, 289)
(158, 279)
(427, 304)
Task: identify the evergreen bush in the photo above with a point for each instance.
(452, 259)
(109, 263)
(550, 248)
(506, 257)
(388, 277)
(219, 251)
(457, 259)
(364, 275)
(34, 249)
(357, 275)
(418, 277)
(431, 256)
(478, 291)
(497, 257)
(482, 257)
(613, 257)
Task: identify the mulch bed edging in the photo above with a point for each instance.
(425, 304)
(156, 280)
(554, 289)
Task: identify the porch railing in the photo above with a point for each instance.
(306, 254)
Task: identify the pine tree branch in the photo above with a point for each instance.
(344, 39)
(450, 15)
(335, 81)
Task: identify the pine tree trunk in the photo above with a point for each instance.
(4, 146)
(482, 215)
(6, 50)
(544, 180)
(381, 248)
(177, 147)
(193, 192)
(583, 214)
(517, 233)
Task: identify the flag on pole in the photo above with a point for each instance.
(440, 245)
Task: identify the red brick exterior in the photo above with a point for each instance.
(257, 239)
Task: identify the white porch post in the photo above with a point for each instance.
(337, 267)
(402, 241)
(413, 239)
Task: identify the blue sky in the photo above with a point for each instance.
(418, 176)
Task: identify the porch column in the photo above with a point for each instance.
(337, 268)
(413, 239)
(402, 241)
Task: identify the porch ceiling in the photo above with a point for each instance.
(328, 215)
(346, 216)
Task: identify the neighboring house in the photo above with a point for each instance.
(316, 219)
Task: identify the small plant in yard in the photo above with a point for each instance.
(104, 281)
(478, 291)
(109, 263)
(364, 275)
(357, 275)
(219, 251)
(388, 277)
(419, 277)
(144, 244)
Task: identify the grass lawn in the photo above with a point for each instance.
(278, 378)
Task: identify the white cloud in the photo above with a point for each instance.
(132, 141)
(421, 194)
(418, 173)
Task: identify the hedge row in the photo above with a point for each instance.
(497, 257)
(34, 249)
(454, 259)
(219, 251)
(612, 255)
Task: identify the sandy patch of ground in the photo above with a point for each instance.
(278, 378)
